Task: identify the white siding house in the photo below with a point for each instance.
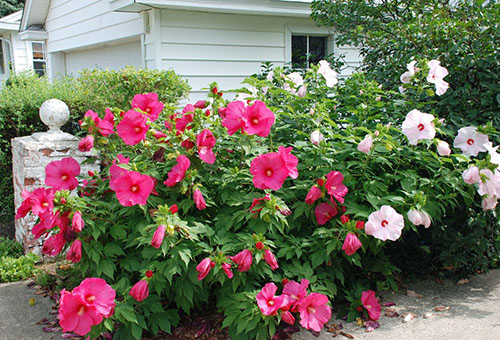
(13, 52)
(204, 41)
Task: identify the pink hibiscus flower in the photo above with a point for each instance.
(313, 195)
(335, 186)
(370, 302)
(258, 119)
(243, 259)
(290, 161)
(366, 144)
(324, 212)
(77, 222)
(226, 267)
(267, 302)
(133, 188)
(198, 199)
(75, 315)
(233, 117)
(470, 141)
(140, 291)
(314, 312)
(288, 318)
(86, 144)
(133, 127)
(158, 236)
(181, 124)
(351, 244)
(270, 259)
(148, 102)
(258, 201)
(98, 294)
(418, 125)
(62, 174)
(471, 175)
(75, 252)
(296, 293)
(106, 126)
(205, 141)
(327, 73)
(178, 171)
(40, 202)
(385, 224)
(269, 171)
(204, 267)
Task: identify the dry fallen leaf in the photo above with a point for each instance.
(391, 312)
(441, 308)
(347, 335)
(462, 282)
(409, 316)
(412, 293)
(428, 315)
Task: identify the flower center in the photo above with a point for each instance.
(45, 204)
(137, 129)
(384, 223)
(311, 310)
(270, 303)
(64, 177)
(81, 311)
(90, 299)
(368, 306)
(255, 121)
(148, 110)
(269, 173)
(134, 188)
(470, 141)
(420, 127)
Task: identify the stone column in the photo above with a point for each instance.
(30, 155)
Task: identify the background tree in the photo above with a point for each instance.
(10, 6)
(463, 34)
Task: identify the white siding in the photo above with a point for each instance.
(20, 53)
(112, 57)
(72, 24)
(207, 47)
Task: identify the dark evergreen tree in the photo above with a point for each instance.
(10, 6)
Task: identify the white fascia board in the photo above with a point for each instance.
(276, 8)
(9, 26)
(33, 35)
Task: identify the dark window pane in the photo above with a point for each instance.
(39, 67)
(317, 48)
(299, 51)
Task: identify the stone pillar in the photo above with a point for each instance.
(31, 154)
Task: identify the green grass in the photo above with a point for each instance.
(14, 265)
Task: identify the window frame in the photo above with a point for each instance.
(44, 54)
(309, 31)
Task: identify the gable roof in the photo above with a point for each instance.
(10, 22)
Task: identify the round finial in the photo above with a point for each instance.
(54, 113)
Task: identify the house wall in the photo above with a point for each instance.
(206, 47)
(19, 53)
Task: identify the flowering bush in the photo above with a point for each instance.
(230, 202)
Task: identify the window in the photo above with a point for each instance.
(2, 61)
(39, 57)
(307, 49)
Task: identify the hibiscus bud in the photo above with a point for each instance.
(316, 137)
(360, 224)
(227, 269)
(158, 236)
(361, 92)
(426, 219)
(91, 173)
(140, 290)
(173, 209)
(471, 175)
(207, 113)
(376, 133)
(443, 148)
(489, 203)
(243, 259)
(63, 200)
(204, 267)
(149, 274)
(215, 90)
(198, 199)
(75, 252)
(415, 217)
(77, 223)
(320, 182)
(366, 144)
(86, 144)
(344, 219)
(301, 93)
(288, 318)
(200, 104)
(259, 245)
(441, 121)
(351, 244)
(378, 99)
(284, 281)
(270, 259)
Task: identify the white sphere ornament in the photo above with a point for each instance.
(54, 113)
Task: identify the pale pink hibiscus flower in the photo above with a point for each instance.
(471, 175)
(490, 183)
(133, 127)
(406, 77)
(470, 141)
(268, 303)
(419, 218)
(327, 73)
(62, 174)
(366, 144)
(436, 75)
(443, 148)
(385, 224)
(418, 125)
(314, 312)
(316, 137)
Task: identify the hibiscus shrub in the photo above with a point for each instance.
(268, 206)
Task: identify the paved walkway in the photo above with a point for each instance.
(474, 313)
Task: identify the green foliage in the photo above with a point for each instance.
(16, 269)
(24, 93)
(11, 248)
(463, 35)
(10, 6)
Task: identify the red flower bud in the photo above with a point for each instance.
(173, 208)
(320, 182)
(259, 245)
(215, 90)
(284, 281)
(149, 273)
(91, 173)
(360, 224)
(344, 219)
